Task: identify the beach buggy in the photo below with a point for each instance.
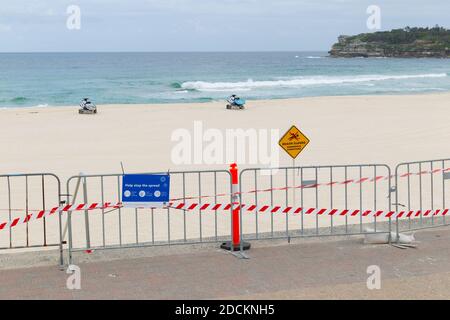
(234, 102)
(87, 107)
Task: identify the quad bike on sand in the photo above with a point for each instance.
(87, 107)
(234, 102)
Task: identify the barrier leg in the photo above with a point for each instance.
(235, 243)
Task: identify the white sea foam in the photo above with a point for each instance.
(299, 81)
(226, 89)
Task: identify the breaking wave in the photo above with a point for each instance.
(299, 82)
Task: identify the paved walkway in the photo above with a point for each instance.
(301, 270)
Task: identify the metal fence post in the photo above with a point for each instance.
(61, 240)
(86, 214)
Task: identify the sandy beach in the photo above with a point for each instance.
(342, 130)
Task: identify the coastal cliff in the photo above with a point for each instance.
(397, 43)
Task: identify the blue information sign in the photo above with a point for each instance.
(145, 190)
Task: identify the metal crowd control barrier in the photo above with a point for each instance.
(131, 228)
(422, 185)
(336, 186)
(19, 195)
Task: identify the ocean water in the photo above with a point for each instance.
(58, 79)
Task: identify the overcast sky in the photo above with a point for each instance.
(202, 25)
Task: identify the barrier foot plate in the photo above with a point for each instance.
(237, 247)
(243, 255)
(403, 246)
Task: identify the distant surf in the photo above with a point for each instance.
(299, 81)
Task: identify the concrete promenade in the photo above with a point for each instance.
(304, 269)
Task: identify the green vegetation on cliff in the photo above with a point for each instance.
(407, 42)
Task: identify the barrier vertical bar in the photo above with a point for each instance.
(360, 200)
(331, 198)
(61, 240)
(271, 202)
(10, 212)
(136, 224)
(153, 226)
(43, 208)
(390, 198)
(103, 210)
(120, 210)
(375, 197)
(200, 205)
(184, 211)
(432, 191)
(420, 194)
(409, 195)
(397, 236)
(346, 199)
(301, 201)
(443, 188)
(26, 207)
(69, 226)
(316, 170)
(86, 214)
(215, 201)
(287, 202)
(256, 203)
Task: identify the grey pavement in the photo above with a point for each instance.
(303, 269)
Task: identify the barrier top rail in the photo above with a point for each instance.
(29, 175)
(321, 166)
(422, 161)
(145, 173)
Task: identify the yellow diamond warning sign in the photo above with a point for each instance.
(293, 142)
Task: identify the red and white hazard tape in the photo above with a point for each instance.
(306, 186)
(309, 211)
(227, 206)
(46, 213)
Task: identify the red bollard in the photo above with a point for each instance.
(235, 200)
(235, 242)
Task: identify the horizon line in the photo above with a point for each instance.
(193, 51)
